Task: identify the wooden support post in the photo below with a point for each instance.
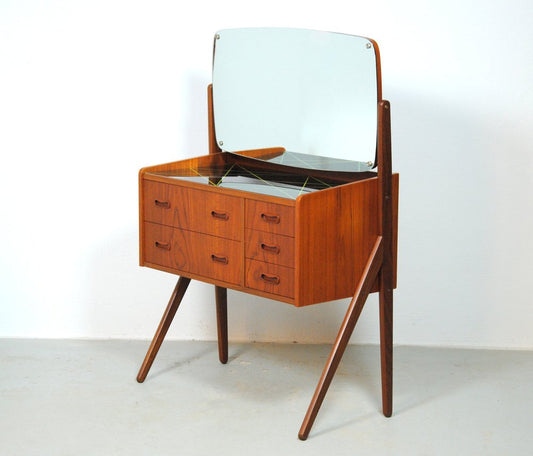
(386, 279)
(221, 293)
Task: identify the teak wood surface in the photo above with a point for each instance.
(333, 231)
(312, 249)
(269, 247)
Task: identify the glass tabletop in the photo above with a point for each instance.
(238, 177)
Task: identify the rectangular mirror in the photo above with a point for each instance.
(312, 95)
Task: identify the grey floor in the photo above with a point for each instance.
(65, 397)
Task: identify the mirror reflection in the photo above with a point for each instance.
(308, 97)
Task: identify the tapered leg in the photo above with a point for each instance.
(354, 310)
(386, 278)
(385, 320)
(221, 297)
(172, 307)
(385, 326)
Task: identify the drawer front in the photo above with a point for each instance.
(191, 209)
(271, 278)
(270, 248)
(270, 217)
(201, 254)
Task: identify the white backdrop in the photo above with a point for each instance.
(92, 91)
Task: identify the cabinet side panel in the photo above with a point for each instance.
(336, 229)
(141, 219)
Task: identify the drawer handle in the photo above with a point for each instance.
(219, 259)
(270, 278)
(270, 248)
(270, 218)
(162, 245)
(220, 215)
(163, 204)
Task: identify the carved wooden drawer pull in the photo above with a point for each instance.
(163, 204)
(220, 215)
(270, 248)
(270, 278)
(219, 259)
(162, 245)
(270, 218)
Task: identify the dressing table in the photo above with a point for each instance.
(279, 208)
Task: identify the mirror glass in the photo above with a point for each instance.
(308, 97)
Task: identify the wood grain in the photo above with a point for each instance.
(222, 283)
(196, 210)
(336, 230)
(262, 154)
(271, 278)
(269, 217)
(269, 248)
(188, 251)
(141, 217)
(331, 232)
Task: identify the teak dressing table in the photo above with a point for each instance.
(302, 233)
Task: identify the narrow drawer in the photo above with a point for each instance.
(271, 278)
(269, 247)
(191, 209)
(270, 217)
(202, 254)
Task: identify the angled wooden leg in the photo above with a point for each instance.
(221, 297)
(354, 310)
(172, 307)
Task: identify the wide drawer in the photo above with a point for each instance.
(270, 217)
(269, 247)
(209, 256)
(192, 209)
(271, 278)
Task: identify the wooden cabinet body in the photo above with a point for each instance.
(301, 250)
